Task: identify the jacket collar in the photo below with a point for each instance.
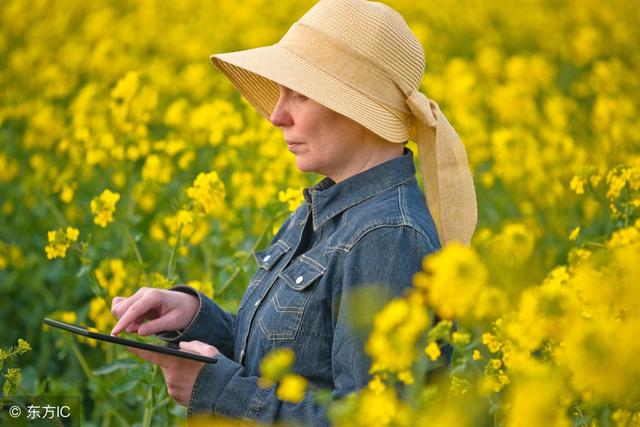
(328, 199)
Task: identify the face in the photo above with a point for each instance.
(322, 140)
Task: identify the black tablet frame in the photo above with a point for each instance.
(81, 330)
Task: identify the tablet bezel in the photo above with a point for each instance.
(81, 330)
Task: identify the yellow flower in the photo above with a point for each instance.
(577, 184)
(491, 342)
(59, 241)
(157, 169)
(292, 388)
(207, 192)
(66, 195)
(574, 234)
(453, 278)
(72, 233)
(460, 338)
(398, 326)
(406, 377)
(496, 363)
(276, 364)
(376, 384)
(476, 355)
(111, 275)
(293, 197)
(126, 87)
(103, 207)
(432, 350)
(23, 346)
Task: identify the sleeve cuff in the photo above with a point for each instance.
(210, 383)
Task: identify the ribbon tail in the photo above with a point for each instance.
(427, 152)
(448, 183)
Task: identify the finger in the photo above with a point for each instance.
(120, 306)
(165, 323)
(150, 356)
(136, 310)
(116, 300)
(134, 327)
(199, 347)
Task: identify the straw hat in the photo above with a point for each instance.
(360, 59)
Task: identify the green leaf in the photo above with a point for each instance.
(85, 269)
(116, 366)
(121, 388)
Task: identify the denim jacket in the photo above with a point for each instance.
(373, 227)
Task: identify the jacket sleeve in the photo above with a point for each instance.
(386, 255)
(211, 324)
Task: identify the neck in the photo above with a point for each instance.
(370, 157)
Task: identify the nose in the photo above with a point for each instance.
(280, 116)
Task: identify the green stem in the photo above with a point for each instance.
(602, 200)
(56, 212)
(119, 417)
(136, 250)
(106, 421)
(600, 245)
(83, 362)
(626, 208)
(247, 257)
(148, 404)
(99, 290)
(172, 257)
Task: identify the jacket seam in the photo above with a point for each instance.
(375, 226)
(358, 201)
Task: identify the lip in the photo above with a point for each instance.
(292, 146)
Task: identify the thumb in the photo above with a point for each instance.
(199, 347)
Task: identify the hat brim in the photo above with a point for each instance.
(255, 72)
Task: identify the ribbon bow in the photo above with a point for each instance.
(421, 108)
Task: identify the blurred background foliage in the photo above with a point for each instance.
(101, 95)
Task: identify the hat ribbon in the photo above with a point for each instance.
(448, 183)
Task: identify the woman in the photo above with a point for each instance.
(343, 85)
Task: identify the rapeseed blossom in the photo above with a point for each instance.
(291, 388)
(453, 280)
(541, 126)
(293, 197)
(59, 241)
(207, 192)
(104, 206)
(432, 350)
(275, 365)
(398, 325)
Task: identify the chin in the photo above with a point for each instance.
(304, 165)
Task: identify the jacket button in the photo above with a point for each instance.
(299, 280)
(256, 304)
(267, 258)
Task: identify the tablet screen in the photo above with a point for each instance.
(95, 334)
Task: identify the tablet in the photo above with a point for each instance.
(81, 330)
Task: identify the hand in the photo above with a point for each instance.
(179, 374)
(166, 310)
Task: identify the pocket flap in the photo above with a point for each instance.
(302, 273)
(271, 255)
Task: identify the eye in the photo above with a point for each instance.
(299, 96)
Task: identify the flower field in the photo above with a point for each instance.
(128, 160)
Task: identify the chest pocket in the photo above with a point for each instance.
(266, 260)
(281, 317)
